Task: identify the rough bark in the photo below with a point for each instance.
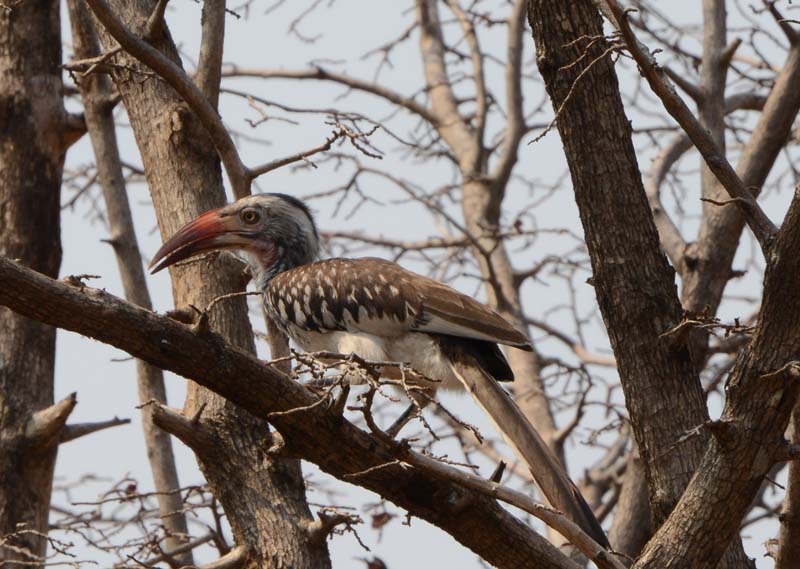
(263, 497)
(789, 544)
(706, 264)
(314, 432)
(633, 281)
(96, 93)
(32, 146)
(748, 439)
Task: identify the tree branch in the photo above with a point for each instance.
(515, 121)
(189, 430)
(209, 64)
(451, 125)
(321, 74)
(167, 555)
(669, 235)
(46, 425)
(713, 75)
(234, 559)
(180, 81)
(369, 462)
(759, 223)
(785, 26)
(553, 518)
(671, 239)
(685, 84)
(476, 55)
(78, 430)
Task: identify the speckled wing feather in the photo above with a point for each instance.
(380, 297)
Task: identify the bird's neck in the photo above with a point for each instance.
(285, 258)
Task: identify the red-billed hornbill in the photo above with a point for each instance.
(381, 312)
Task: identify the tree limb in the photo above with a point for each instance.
(671, 239)
(515, 121)
(78, 430)
(369, 462)
(189, 430)
(45, 426)
(180, 81)
(209, 64)
(759, 223)
(476, 55)
(451, 124)
(234, 559)
(321, 74)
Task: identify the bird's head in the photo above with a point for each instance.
(272, 232)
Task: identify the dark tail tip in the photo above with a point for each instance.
(589, 523)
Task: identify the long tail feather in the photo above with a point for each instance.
(512, 424)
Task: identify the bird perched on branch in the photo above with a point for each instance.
(379, 311)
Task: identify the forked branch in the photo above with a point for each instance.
(763, 229)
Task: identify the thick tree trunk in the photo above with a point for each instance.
(263, 497)
(633, 281)
(32, 146)
(96, 92)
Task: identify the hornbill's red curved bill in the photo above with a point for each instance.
(382, 312)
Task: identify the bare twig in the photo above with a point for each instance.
(78, 430)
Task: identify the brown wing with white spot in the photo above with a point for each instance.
(380, 297)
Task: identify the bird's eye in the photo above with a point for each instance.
(250, 216)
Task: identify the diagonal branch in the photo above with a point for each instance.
(475, 520)
(763, 229)
(78, 430)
